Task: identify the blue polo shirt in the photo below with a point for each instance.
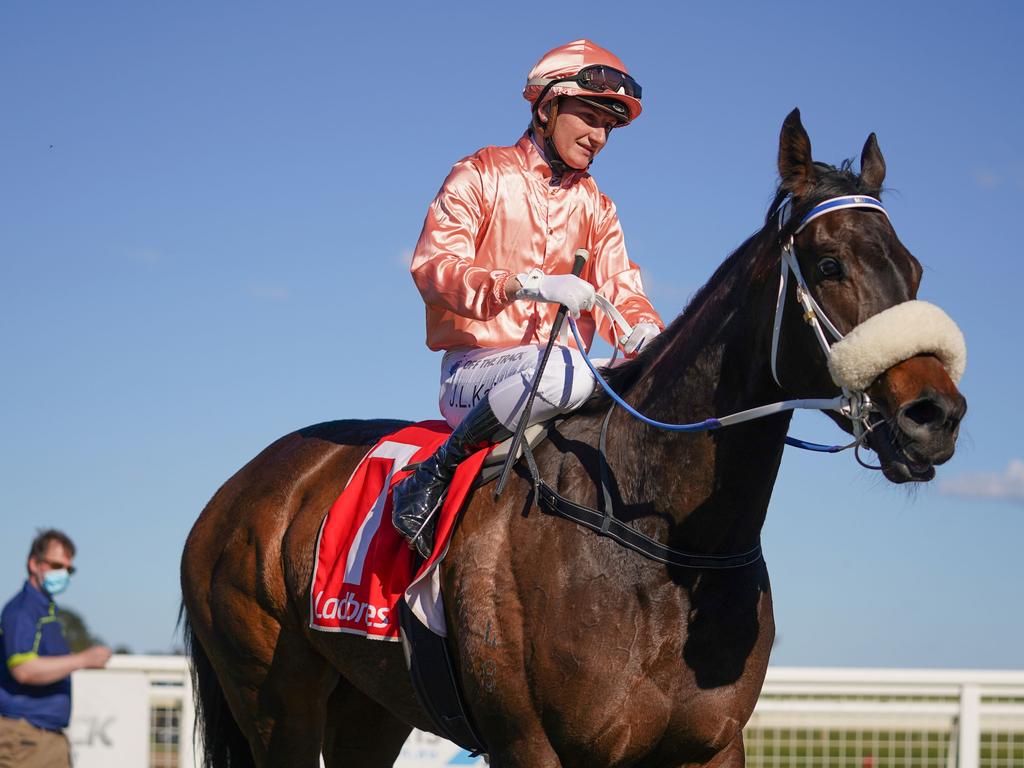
(28, 629)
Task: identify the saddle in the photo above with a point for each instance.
(532, 436)
(366, 581)
(431, 664)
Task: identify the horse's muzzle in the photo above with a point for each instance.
(929, 426)
(922, 411)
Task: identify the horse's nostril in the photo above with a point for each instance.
(924, 413)
(931, 415)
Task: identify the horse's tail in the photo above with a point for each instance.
(224, 745)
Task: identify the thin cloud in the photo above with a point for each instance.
(985, 178)
(1008, 484)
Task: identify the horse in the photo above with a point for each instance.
(573, 650)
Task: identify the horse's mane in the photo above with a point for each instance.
(706, 310)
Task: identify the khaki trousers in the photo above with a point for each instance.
(22, 745)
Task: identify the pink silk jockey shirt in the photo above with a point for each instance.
(498, 215)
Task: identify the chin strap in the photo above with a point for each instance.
(558, 167)
(543, 131)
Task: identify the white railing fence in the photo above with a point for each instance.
(872, 718)
(139, 712)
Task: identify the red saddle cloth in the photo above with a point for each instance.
(363, 565)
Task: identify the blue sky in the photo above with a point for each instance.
(206, 212)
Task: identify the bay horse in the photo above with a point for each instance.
(573, 650)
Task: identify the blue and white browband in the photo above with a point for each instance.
(832, 204)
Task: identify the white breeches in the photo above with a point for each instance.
(506, 376)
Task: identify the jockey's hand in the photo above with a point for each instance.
(642, 333)
(576, 294)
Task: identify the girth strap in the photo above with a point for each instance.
(605, 524)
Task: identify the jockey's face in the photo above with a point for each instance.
(581, 131)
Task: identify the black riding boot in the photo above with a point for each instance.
(415, 498)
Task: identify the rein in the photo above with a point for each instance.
(853, 404)
(842, 403)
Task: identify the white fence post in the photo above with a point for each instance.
(969, 726)
(189, 755)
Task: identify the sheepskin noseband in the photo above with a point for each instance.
(897, 334)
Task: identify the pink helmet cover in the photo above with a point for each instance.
(567, 60)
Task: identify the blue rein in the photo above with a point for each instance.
(835, 203)
(701, 426)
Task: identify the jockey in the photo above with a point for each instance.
(494, 261)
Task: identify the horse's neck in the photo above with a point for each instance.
(709, 491)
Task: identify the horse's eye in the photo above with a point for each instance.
(830, 269)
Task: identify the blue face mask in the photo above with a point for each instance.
(55, 582)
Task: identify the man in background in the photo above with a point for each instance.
(35, 678)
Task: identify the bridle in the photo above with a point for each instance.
(853, 403)
(856, 405)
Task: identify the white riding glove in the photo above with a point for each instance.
(642, 333)
(576, 294)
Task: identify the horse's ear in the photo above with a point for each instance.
(872, 165)
(796, 167)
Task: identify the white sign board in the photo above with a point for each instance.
(425, 750)
(109, 719)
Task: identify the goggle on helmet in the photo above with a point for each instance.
(588, 72)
